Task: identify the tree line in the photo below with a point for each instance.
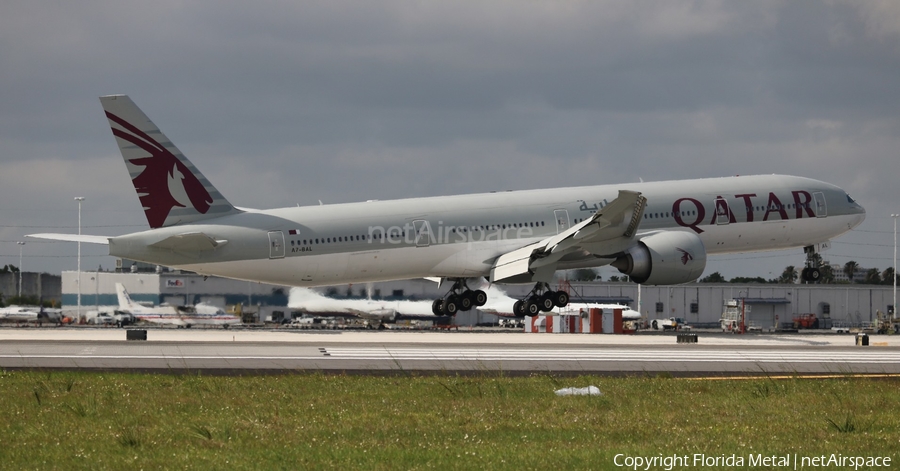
(791, 274)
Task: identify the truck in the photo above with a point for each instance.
(806, 321)
(116, 318)
(311, 323)
(672, 323)
(886, 323)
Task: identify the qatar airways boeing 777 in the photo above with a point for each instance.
(656, 232)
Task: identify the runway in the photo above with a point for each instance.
(498, 352)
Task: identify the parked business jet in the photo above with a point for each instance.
(30, 314)
(656, 233)
(181, 316)
(20, 313)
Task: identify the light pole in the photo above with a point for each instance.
(79, 199)
(894, 315)
(21, 245)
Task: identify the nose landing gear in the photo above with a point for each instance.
(811, 272)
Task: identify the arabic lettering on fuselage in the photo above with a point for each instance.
(692, 213)
(594, 208)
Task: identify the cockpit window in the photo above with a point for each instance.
(850, 200)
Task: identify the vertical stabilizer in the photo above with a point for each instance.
(125, 302)
(171, 189)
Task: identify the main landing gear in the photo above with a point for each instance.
(540, 299)
(460, 298)
(811, 272)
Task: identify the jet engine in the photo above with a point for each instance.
(664, 258)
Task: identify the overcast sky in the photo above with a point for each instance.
(285, 103)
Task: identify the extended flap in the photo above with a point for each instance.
(613, 226)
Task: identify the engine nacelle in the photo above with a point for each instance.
(664, 258)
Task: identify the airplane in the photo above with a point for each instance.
(20, 313)
(30, 314)
(312, 302)
(657, 233)
(499, 303)
(181, 316)
(628, 314)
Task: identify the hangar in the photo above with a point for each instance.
(698, 303)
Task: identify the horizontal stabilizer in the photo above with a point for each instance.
(190, 242)
(89, 239)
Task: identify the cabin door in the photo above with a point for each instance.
(276, 244)
(821, 209)
(562, 220)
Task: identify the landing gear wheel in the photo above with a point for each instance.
(813, 275)
(451, 305)
(561, 298)
(519, 309)
(532, 308)
(546, 302)
(479, 298)
(465, 301)
(461, 297)
(437, 307)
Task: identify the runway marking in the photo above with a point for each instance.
(566, 355)
(794, 376)
(170, 357)
(761, 356)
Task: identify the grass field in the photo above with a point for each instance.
(74, 420)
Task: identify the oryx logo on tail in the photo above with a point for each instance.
(165, 182)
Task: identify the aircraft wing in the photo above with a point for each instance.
(89, 239)
(608, 231)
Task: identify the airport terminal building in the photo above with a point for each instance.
(699, 303)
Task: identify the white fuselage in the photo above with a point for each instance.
(19, 313)
(462, 236)
(172, 315)
(200, 314)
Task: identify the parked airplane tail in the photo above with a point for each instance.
(171, 189)
(125, 301)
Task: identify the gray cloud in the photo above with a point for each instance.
(282, 103)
